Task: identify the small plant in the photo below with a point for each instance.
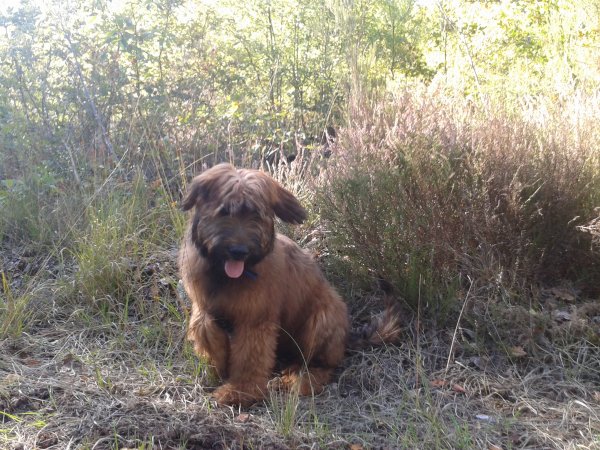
(102, 258)
(394, 209)
(13, 310)
(30, 211)
(123, 231)
(283, 408)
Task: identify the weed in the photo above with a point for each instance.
(13, 310)
(103, 382)
(112, 253)
(283, 408)
(34, 209)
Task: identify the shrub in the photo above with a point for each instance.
(430, 193)
(31, 208)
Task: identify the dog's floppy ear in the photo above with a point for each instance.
(287, 207)
(195, 189)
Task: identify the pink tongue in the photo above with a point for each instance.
(234, 269)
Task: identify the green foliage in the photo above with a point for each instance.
(30, 208)
(93, 82)
(513, 49)
(13, 309)
(125, 227)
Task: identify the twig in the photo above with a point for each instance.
(451, 352)
(90, 100)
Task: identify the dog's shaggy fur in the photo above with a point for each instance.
(258, 300)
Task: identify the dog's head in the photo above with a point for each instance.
(233, 222)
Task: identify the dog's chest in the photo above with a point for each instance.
(241, 302)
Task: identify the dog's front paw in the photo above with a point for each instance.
(229, 394)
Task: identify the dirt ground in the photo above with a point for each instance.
(75, 380)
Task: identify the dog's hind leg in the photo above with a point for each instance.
(323, 344)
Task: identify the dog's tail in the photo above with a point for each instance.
(383, 329)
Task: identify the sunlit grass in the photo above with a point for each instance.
(13, 310)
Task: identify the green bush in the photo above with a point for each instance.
(31, 210)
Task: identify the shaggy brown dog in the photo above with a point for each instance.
(257, 298)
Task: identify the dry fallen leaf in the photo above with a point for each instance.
(31, 362)
(563, 294)
(243, 418)
(517, 352)
(356, 447)
(458, 388)
(438, 383)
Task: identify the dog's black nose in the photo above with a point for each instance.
(238, 252)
